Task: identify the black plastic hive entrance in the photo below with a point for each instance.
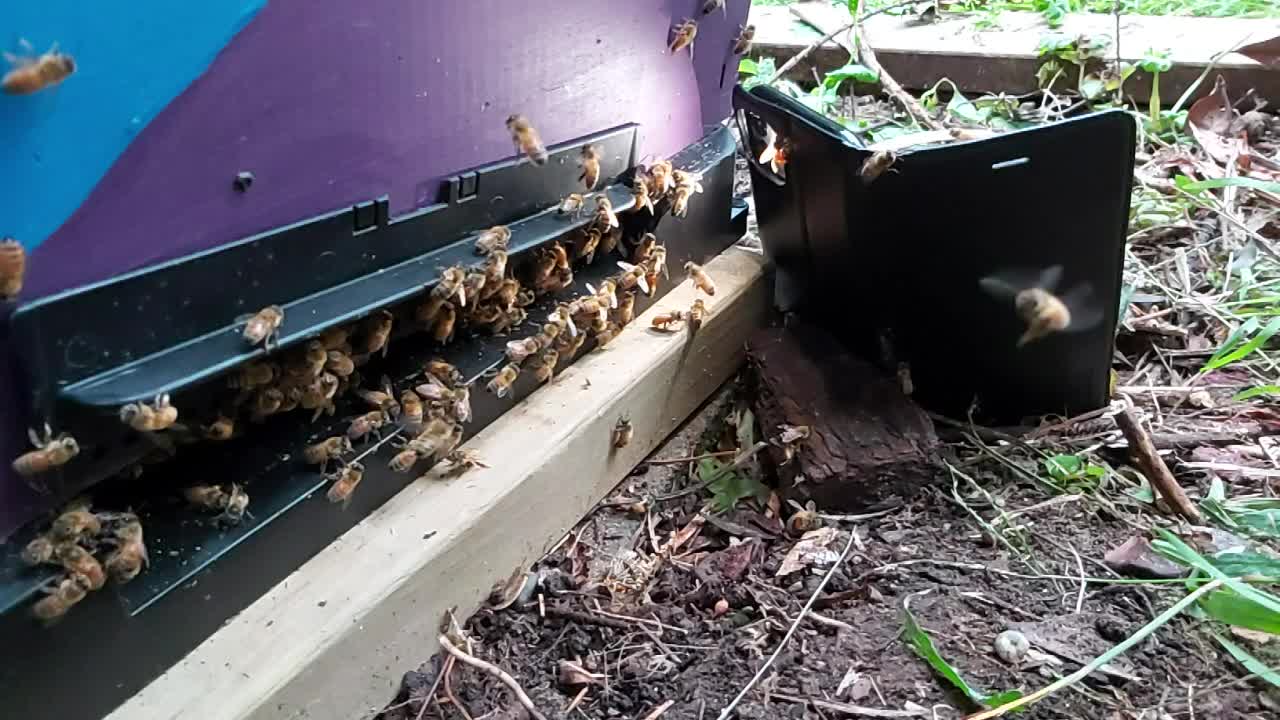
(89, 355)
(901, 256)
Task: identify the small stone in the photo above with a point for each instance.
(1011, 646)
(1137, 558)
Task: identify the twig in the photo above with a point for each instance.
(855, 710)
(692, 458)
(1084, 584)
(792, 630)
(891, 86)
(657, 712)
(742, 459)
(1104, 658)
(1152, 465)
(805, 53)
(426, 699)
(495, 671)
(448, 690)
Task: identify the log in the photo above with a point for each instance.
(1152, 465)
(868, 442)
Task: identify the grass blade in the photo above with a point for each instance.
(922, 644)
(1250, 663)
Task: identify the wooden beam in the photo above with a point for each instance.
(333, 639)
(980, 53)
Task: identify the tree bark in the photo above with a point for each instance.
(868, 442)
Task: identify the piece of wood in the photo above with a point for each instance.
(1152, 466)
(333, 639)
(984, 54)
(868, 442)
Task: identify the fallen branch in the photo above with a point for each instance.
(1102, 659)
(1152, 466)
(792, 630)
(495, 671)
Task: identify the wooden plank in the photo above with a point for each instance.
(1003, 58)
(333, 639)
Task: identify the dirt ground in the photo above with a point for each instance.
(691, 626)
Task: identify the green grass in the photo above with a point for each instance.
(1196, 8)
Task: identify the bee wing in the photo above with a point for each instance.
(1011, 281)
(1085, 312)
(998, 287)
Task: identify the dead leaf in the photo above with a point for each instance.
(815, 548)
(730, 563)
(1211, 119)
(505, 594)
(684, 534)
(573, 675)
(1266, 52)
(1254, 636)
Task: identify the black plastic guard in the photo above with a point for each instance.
(902, 255)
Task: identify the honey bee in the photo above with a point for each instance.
(38, 552)
(236, 505)
(345, 482)
(605, 217)
(140, 416)
(335, 338)
(49, 453)
(660, 178)
(318, 395)
(411, 410)
(544, 263)
(646, 245)
(403, 461)
(1035, 301)
(340, 364)
(495, 268)
(569, 345)
(664, 321)
(622, 433)
(495, 238)
(590, 164)
(13, 268)
(633, 276)
(77, 561)
(518, 350)
(130, 556)
(607, 294)
(711, 6)
(32, 74)
(626, 311)
(70, 590)
(326, 451)
(486, 316)
(604, 337)
(803, 521)
(444, 372)
(562, 316)
(508, 294)
(458, 462)
(253, 375)
(310, 362)
(462, 404)
(682, 37)
(559, 280)
(263, 326)
(474, 284)
(221, 429)
(640, 191)
(526, 139)
(742, 45)
(546, 369)
(588, 307)
(445, 324)
(366, 424)
(701, 280)
(292, 399)
(452, 282)
(572, 204)
(686, 185)
(876, 165)
(266, 402)
(377, 332)
(777, 153)
(501, 385)
(696, 315)
(432, 440)
(609, 240)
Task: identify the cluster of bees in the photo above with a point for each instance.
(89, 547)
(428, 417)
(685, 32)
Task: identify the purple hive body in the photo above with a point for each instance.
(331, 102)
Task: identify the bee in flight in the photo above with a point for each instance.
(1035, 300)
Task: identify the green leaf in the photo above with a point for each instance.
(1228, 607)
(919, 641)
(1239, 353)
(1254, 392)
(1092, 87)
(1247, 564)
(1250, 663)
(1195, 186)
(729, 487)
(1073, 471)
(747, 66)
(1173, 547)
(852, 71)
(1126, 296)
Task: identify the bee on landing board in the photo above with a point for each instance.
(253, 375)
(633, 276)
(605, 219)
(572, 205)
(264, 326)
(660, 180)
(700, 278)
(876, 165)
(13, 268)
(1035, 302)
(623, 431)
(38, 552)
(518, 350)
(50, 452)
(30, 74)
(501, 384)
(686, 185)
(326, 451)
(458, 462)
(367, 424)
(526, 139)
(626, 310)
(377, 333)
(640, 191)
(495, 238)
(665, 322)
(777, 153)
(682, 36)
(130, 555)
(590, 163)
(696, 315)
(742, 45)
(344, 484)
(70, 590)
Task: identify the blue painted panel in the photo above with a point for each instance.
(132, 59)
